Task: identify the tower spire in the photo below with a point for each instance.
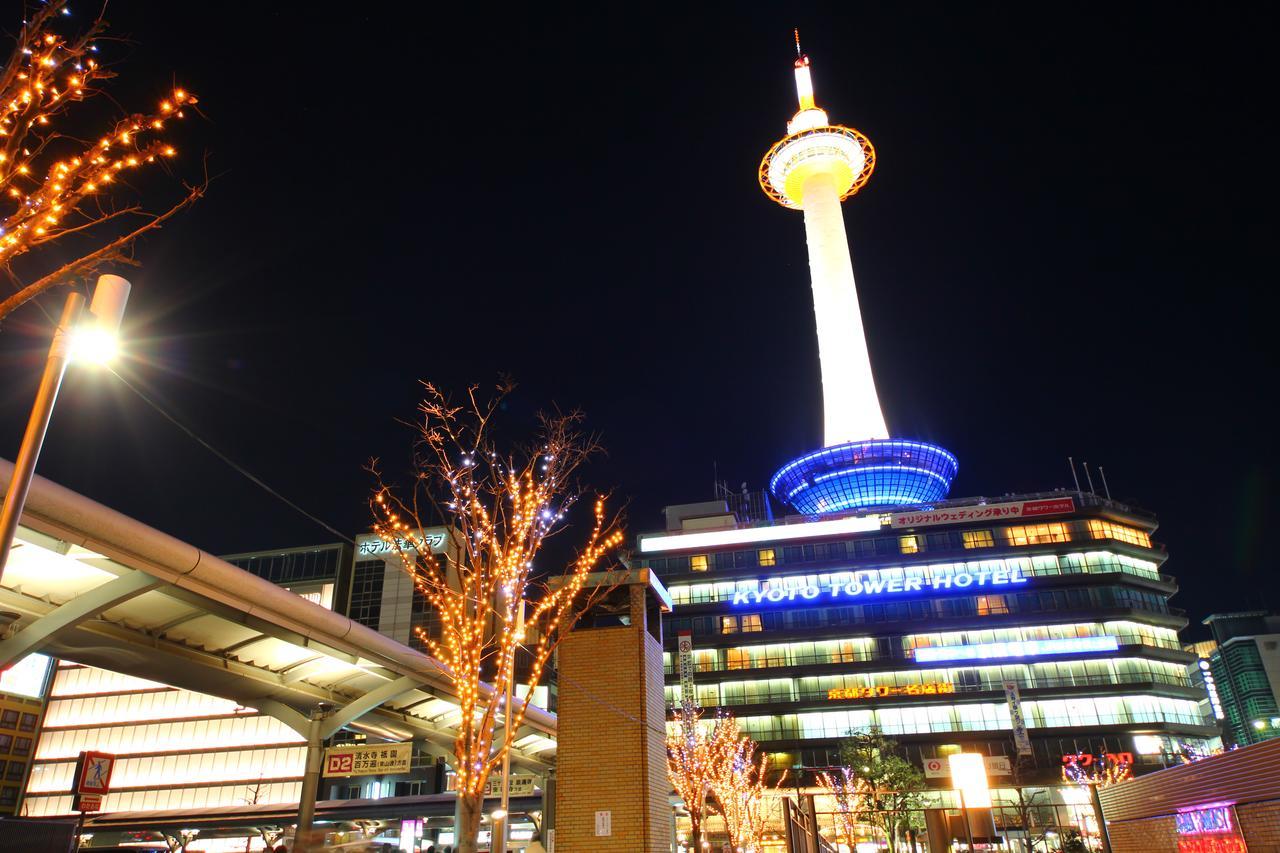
(813, 168)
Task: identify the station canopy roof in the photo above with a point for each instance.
(87, 584)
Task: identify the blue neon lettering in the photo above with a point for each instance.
(870, 583)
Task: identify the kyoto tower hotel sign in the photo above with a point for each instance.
(812, 169)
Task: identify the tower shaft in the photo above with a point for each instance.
(851, 407)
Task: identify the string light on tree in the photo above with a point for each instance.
(59, 188)
(501, 508)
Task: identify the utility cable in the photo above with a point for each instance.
(237, 467)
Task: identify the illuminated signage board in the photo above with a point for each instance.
(1208, 829)
(372, 545)
(931, 688)
(983, 512)
(870, 583)
(1016, 649)
(748, 535)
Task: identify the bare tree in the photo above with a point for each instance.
(499, 507)
(66, 172)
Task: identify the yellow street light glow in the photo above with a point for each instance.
(969, 776)
(92, 344)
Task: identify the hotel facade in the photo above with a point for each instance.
(914, 623)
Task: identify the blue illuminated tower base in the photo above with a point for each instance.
(874, 474)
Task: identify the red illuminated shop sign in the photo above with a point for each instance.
(1209, 829)
(984, 512)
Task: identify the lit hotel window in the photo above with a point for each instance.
(978, 539)
(909, 544)
(767, 558)
(990, 604)
(728, 624)
(1100, 529)
(698, 562)
(1036, 534)
(751, 622)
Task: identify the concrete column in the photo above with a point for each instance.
(310, 783)
(851, 408)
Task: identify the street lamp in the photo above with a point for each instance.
(91, 340)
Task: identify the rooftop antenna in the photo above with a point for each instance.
(1088, 477)
(798, 53)
(1105, 487)
(1074, 476)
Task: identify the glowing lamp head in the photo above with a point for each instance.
(96, 339)
(969, 776)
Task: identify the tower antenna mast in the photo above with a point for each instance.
(812, 169)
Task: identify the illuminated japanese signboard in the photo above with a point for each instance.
(376, 759)
(1209, 829)
(932, 688)
(372, 545)
(871, 583)
(984, 512)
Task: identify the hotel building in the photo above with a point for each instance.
(913, 621)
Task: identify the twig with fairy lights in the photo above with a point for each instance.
(499, 509)
(67, 207)
(738, 788)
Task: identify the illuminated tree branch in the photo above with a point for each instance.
(499, 509)
(60, 182)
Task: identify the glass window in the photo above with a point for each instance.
(28, 723)
(698, 562)
(909, 544)
(8, 796)
(978, 539)
(767, 557)
(728, 624)
(1035, 534)
(9, 719)
(15, 771)
(1102, 529)
(6, 741)
(22, 746)
(751, 622)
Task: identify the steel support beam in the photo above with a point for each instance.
(85, 606)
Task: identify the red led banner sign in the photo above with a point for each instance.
(931, 688)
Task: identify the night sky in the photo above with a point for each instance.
(1064, 250)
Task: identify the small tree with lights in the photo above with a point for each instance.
(68, 205)
(501, 507)
(842, 785)
(738, 786)
(696, 751)
(889, 793)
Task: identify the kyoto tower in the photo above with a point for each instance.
(813, 168)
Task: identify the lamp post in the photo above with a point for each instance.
(93, 340)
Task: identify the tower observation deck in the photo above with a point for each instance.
(815, 167)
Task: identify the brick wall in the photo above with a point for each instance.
(611, 750)
(1150, 835)
(1260, 823)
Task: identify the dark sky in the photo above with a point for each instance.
(1064, 250)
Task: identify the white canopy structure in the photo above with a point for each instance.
(90, 585)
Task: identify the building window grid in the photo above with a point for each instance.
(867, 546)
(1051, 674)
(856, 649)
(1045, 713)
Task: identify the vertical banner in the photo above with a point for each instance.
(1019, 722)
(685, 665)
